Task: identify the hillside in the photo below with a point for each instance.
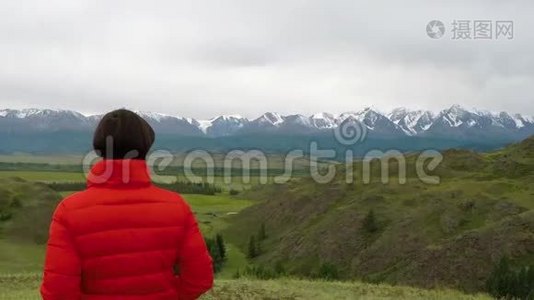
(25, 287)
(423, 235)
(25, 210)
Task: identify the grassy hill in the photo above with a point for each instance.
(444, 235)
(25, 210)
(25, 287)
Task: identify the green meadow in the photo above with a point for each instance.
(212, 212)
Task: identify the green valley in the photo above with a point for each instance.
(326, 241)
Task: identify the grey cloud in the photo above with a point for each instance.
(203, 58)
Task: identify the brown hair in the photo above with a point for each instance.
(122, 134)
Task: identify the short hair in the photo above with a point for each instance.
(122, 134)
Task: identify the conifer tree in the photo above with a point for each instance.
(252, 247)
(220, 245)
(369, 222)
(262, 234)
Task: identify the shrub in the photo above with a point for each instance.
(15, 203)
(5, 216)
(328, 271)
(279, 269)
(260, 272)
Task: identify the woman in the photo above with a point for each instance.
(123, 238)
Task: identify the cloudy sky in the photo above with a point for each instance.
(203, 58)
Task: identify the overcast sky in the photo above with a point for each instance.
(203, 58)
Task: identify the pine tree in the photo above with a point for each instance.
(500, 281)
(215, 253)
(252, 248)
(259, 249)
(369, 222)
(530, 280)
(522, 286)
(220, 245)
(217, 260)
(262, 234)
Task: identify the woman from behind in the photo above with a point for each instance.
(124, 238)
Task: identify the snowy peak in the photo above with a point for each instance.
(223, 125)
(297, 120)
(323, 121)
(455, 116)
(521, 121)
(371, 119)
(355, 116)
(39, 113)
(41, 120)
(270, 118)
(411, 122)
(230, 118)
(157, 117)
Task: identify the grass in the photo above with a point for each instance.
(19, 257)
(26, 287)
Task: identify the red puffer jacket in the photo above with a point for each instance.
(122, 238)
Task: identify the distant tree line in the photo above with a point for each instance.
(183, 187)
(187, 187)
(507, 283)
(21, 166)
(170, 170)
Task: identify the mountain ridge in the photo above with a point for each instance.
(455, 120)
(65, 131)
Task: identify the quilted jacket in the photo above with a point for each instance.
(124, 238)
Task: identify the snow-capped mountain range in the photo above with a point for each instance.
(455, 121)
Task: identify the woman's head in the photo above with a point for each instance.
(122, 134)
